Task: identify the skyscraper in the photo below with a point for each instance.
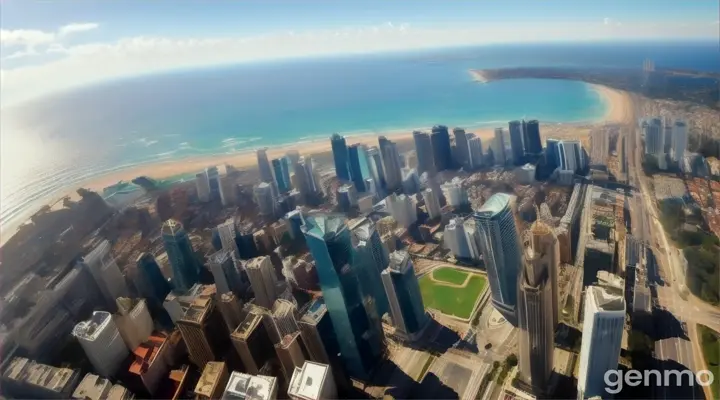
(226, 276)
(358, 163)
(263, 196)
(359, 336)
(266, 174)
(456, 240)
(180, 254)
(213, 177)
(318, 332)
(369, 260)
(546, 249)
(654, 137)
(202, 185)
(552, 152)
(499, 147)
(340, 157)
(101, 340)
(402, 208)
(679, 141)
(432, 203)
(603, 321)
(391, 163)
(291, 353)
(463, 151)
(407, 309)
(501, 250)
(571, 156)
(516, 142)
(203, 329)
(285, 315)
(227, 233)
(455, 193)
(155, 286)
(535, 320)
(475, 151)
(442, 153)
(279, 173)
(107, 274)
(263, 281)
(531, 138)
(424, 152)
(252, 342)
(375, 164)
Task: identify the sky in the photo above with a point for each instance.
(47, 47)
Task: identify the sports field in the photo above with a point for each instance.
(449, 291)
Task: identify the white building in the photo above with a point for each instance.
(455, 193)
(402, 208)
(134, 322)
(525, 174)
(263, 194)
(101, 340)
(654, 137)
(432, 203)
(571, 155)
(679, 141)
(227, 234)
(263, 281)
(471, 235)
(601, 339)
(410, 180)
(202, 184)
(314, 381)
(475, 157)
(456, 239)
(246, 386)
(499, 147)
(106, 273)
(227, 190)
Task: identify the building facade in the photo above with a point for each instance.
(181, 255)
(407, 309)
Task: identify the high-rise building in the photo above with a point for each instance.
(256, 387)
(358, 164)
(679, 141)
(442, 154)
(402, 208)
(347, 197)
(552, 153)
(359, 336)
(571, 155)
(227, 278)
(375, 164)
(456, 240)
(501, 249)
(472, 237)
(211, 384)
(432, 203)
(202, 328)
(214, 181)
(133, 320)
(93, 387)
(603, 321)
(407, 309)
(535, 320)
(227, 233)
(253, 344)
(228, 190)
(622, 153)
(318, 332)
(391, 163)
(546, 249)
(454, 192)
(263, 281)
(498, 147)
(410, 181)
(266, 174)
(283, 186)
(285, 314)
(291, 353)
(424, 152)
(202, 185)
(107, 274)
(26, 379)
(230, 307)
(312, 381)
(263, 196)
(340, 157)
(516, 142)
(152, 283)
(369, 260)
(531, 137)
(181, 255)
(101, 340)
(654, 137)
(475, 151)
(463, 151)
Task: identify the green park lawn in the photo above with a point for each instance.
(458, 302)
(450, 275)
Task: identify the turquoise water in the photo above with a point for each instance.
(70, 138)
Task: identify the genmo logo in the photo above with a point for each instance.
(615, 379)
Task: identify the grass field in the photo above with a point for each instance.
(710, 342)
(449, 300)
(450, 275)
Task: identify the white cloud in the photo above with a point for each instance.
(611, 22)
(25, 37)
(77, 27)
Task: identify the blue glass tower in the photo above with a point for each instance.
(180, 254)
(154, 285)
(282, 185)
(516, 142)
(441, 147)
(371, 259)
(357, 328)
(531, 138)
(359, 170)
(552, 153)
(403, 291)
(502, 251)
(340, 157)
(295, 219)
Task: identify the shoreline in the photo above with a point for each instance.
(617, 104)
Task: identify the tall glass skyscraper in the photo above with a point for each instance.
(358, 163)
(152, 281)
(501, 250)
(463, 152)
(407, 309)
(371, 259)
(264, 165)
(280, 172)
(531, 138)
(552, 152)
(357, 328)
(391, 163)
(180, 254)
(340, 157)
(441, 147)
(424, 152)
(516, 142)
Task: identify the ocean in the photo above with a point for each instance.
(63, 140)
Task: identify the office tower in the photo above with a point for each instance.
(346, 197)
(295, 221)
(516, 142)
(318, 332)
(498, 147)
(402, 208)
(501, 249)
(312, 381)
(202, 185)
(263, 281)
(245, 387)
(227, 233)
(230, 307)
(93, 387)
(463, 151)
(291, 353)
(133, 321)
(358, 164)
(202, 328)
(106, 273)
(26, 379)
(552, 152)
(253, 344)
(407, 309)
(266, 174)
(180, 255)
(340, 157)
(531, 137)
(475, 151)
(264, 198)
(454, 192)
(226, 276)
(77, 292)
(307, 164)
(213, 177)
(535, 320)
(546, 249)
(267, 320)
(622, 153)
(360, 340)
(282, 185)
(472, 237)
(442, 154)
(286, 166)
(432, 203)
(679, 141)
(285, 314)
(603, 321)
(375, 165)
(456, 240)
(571, 155)
(369, 260)
(391, 163)
(654, 137)
(410, 181)
(424, 152)
(228, 192)
(212, 382)
(102, 343)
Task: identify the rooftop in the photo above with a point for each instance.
(495, 204)
(324, 225)
(250, 387)
(247, 326)
(52, 378)
(307, 382)
(172, 227)
(399, 261)
(605, 300)
(315, 311)
(198, 310)
(91, 329)
(92, 387)
(210, 378)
